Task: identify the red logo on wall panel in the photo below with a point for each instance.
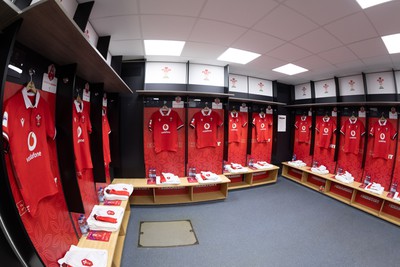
(110, 212)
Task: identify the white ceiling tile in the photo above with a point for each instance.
(317, 41)
(106, 8)
(112, 26)
(257, 42)
(338, 55)
(289, 53)
(324, 11)
(285, 23)
(157, 27)
(383, 62)
(213, 32)
(353, 28)
(243, 13)
(385, 17)
(313, 62)
(369, 48)
(265, 63)
(172, 7)
(350, 67)
(126, 48)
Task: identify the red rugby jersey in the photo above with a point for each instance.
(325, 128)
(303, 127)
(106, 140)
(27, 123)
(165, 126)
(206, 124)
(237, 121)
(263, 124)
(382, 131)
(352, 130)
(81, 127)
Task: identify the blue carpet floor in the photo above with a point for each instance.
(283, 224)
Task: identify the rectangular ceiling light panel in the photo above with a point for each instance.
(238, 56)
(369, 3)
(290, 69)
(392, 43)
(163, 47)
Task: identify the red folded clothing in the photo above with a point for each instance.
(117, 192)
(162, 179)
(104, 219)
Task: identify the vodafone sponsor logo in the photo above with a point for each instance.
(79, 133)
(262, 125)
(32, 142)
(303, 128)
(207, 128)
(369, 198)
(326, 130)
(382, 137)
(234, 126)
(165, 128)
(352, 134)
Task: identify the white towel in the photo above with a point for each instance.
(118, 187)
(108, 211)
(262, 165)
(170, 178)
(235, 168)
(83, 257)
(209, 176)
(320, 170)
(297, 163)
(200, 180)
(345, 178)
(396, 196)
(375, 188)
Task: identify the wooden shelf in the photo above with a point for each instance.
(8, 14)
(390, 218)
(338, 197)
(116, 243)
(365, 208)
(238, 185)
(47, 30)
(352, 198)
(185, 192)
(181, 93)
(249, 180)
(247, 100)
(119, 248)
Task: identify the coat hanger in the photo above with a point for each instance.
(353, 116)
(31, 85)
(78, 99)
(234, 110)
(206, 108)
(165, 107)
(383, 118)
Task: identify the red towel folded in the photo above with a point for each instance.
(117, 192)
(105, 218)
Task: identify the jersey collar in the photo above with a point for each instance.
(353, 121)
(165, 114)
(382, 122)
(27, 101)
(326, 119)
(262, 116)
(234, 115)
(303, 118)
(79, 107)
(205, 112)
